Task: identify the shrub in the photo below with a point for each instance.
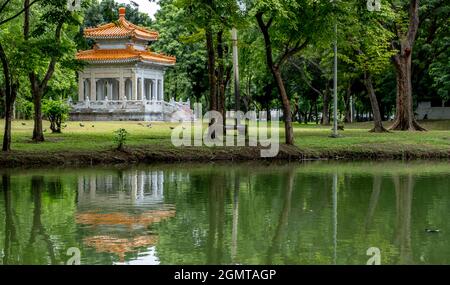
(57, 112)
(120, 138)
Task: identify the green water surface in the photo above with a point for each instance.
(310, 213)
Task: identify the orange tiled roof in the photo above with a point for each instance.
(129, 54)
(121, 29)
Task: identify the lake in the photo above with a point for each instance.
(308, 213)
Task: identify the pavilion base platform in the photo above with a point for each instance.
(146, 111)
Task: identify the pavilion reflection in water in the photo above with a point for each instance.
(118, 211)
(139, 187)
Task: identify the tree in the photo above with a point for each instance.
(431, 54)
(404, 44)
(189, 77)
(107, 11)
(57, 112)
(10, 94)
(367, 49)
(10, 59)
(16, 14)
(47, 45)
(287, 28)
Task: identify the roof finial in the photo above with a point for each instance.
(122, 12)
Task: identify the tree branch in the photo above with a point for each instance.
(290, 52)
(52, 64)
(19, 13)
(4, 6)
(6, 71)
(265, 31)
(305, 79)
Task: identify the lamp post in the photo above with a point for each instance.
(234, 38)
(335, 95)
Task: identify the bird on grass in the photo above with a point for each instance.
(432, 231)
(149, 126)
(24, 124)
(93, 126)
(81, 125)
(172, 128)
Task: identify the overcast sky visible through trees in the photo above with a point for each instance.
(144, 6)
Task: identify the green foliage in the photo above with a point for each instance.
(24, 108)
(57, 112)
(120, 138)
(189, 78)
(107, 11)
(366, 43)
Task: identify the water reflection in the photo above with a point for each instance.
(125, 205)
(10, 228)
(295, 214)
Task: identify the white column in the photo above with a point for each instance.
(121, 86)
(142, 88)
(93, 92)
(154, 89)
(150, 89)
(135, 86)
(81, 87)
(161, 89)
(99, 89)
(110, 90)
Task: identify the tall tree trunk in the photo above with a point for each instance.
(348, 104)
(316, 111)
(211, 74)
(326, 108)
(211, 69)
(8, 121)
(377, 120)
(221, 77)
(297, 111)
(38, 133)
(404, 118)
(289, 131)
(10, 94)
(38, 86)
(276, 73)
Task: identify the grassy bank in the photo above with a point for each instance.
(93, 144)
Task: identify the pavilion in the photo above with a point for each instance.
(123, 79)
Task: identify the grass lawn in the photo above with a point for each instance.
(98, 136)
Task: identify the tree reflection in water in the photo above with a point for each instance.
(225, 215)
(404, 186)
(10, 228)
